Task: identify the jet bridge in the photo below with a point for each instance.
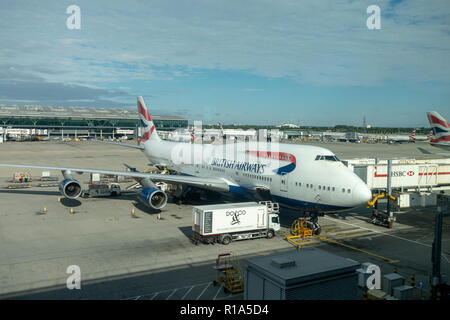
(406, 174)
(404, 183)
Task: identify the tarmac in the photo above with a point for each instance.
(125, 256)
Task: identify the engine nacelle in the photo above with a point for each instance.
(153, 197)
(70, 188)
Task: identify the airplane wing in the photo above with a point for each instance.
(217, 184)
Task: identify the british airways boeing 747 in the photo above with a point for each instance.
(308, 178)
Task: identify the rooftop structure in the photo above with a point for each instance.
(42, 116)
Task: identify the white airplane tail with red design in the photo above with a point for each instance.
(441, 130)
(148, 130)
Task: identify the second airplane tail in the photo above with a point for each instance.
(439, 125)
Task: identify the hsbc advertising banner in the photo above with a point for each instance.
(375, 176)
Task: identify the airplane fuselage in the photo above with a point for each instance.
(297, 176)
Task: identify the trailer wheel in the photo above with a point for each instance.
(270, 234)
(226, 240)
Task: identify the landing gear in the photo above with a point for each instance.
(313, 223)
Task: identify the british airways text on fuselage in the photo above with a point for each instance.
(238, 165)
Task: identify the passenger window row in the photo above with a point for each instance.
(327, 188)
(258, 177)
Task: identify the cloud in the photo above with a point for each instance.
(48, 93)
(320, 43)
(323, 42)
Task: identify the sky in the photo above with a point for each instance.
(312, 62)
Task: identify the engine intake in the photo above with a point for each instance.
(70, 188)
(153, 197)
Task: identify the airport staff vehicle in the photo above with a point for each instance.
(101, 190)
(228, 222)
(306, 178)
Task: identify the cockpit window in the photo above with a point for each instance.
(327, 158)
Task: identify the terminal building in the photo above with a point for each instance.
(68, 120)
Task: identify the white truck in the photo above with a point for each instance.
(228, 222)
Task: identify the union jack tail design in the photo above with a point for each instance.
(412, 135)
(440, 127)
(148, 131)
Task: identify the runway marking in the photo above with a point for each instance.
(187, 292)
(171, 294)
(154, 296)
(384, 233)
(203, 291)
(358, 249)
(217, 293)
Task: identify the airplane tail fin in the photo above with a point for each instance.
(147, 127)
(412, 135)
(440, 126)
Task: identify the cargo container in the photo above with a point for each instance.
(228, 222)
(101, 190)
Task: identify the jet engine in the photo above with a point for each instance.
(151, 195)
(70, 188)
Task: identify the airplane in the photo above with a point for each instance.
(306, 178)
(400, 139)
(441, 130)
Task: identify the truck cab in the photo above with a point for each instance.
(274, 222)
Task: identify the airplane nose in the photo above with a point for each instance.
(361, 193)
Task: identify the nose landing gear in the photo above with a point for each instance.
(313, 223)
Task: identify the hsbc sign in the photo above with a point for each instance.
(403, 173)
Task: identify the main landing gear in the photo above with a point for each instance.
(313, 223)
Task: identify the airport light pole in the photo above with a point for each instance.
(437, 280)
(389, 191)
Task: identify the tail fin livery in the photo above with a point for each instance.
(146, 124)
(412, 135)
(440, 126)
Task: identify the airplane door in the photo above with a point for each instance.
(284, 183)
